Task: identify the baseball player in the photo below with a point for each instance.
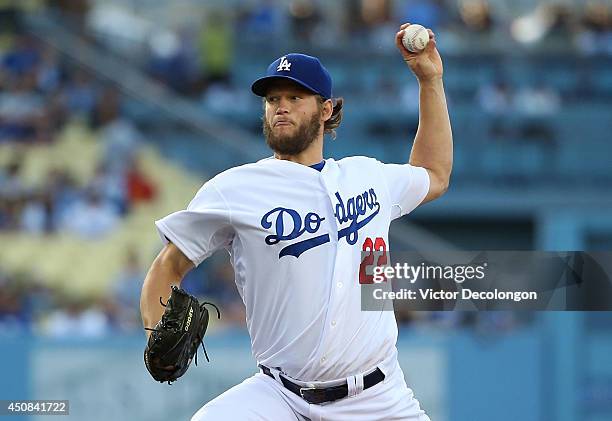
(295, 226)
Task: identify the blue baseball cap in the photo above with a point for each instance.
(306, 71)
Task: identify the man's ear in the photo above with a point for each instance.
(328, 109)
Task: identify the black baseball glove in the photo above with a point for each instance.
(175, 339)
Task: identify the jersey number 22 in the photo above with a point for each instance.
(371, 250)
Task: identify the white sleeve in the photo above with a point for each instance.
(204, 227)
(408, 185)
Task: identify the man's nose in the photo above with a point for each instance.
(283, 106)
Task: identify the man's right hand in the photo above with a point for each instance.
(427, 64)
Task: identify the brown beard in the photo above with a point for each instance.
(305, 134)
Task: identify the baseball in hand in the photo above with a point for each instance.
(415, 38)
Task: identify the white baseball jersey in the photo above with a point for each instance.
(295, 237)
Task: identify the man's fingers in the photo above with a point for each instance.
(432, 40)
(400, 45)
(405, 25)
(398, 38)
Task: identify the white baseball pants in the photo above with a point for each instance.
(262, 398)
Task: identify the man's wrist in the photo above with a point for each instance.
(434, 80)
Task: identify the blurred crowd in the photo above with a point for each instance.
(28, 306)
(200, 54)
(201, 57)
(39, 95)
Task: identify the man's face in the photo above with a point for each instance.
(292, 119)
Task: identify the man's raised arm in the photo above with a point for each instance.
(433, 144)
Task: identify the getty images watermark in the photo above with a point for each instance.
(487, 280)
(457, 273)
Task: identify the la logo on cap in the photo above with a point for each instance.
(284, 65)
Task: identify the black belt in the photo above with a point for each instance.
(327, 394)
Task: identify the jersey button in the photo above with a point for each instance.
(323, 360)
(333, 323)
(339, 284)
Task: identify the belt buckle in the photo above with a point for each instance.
(312, 394)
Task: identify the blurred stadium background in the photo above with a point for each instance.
(113, 113)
